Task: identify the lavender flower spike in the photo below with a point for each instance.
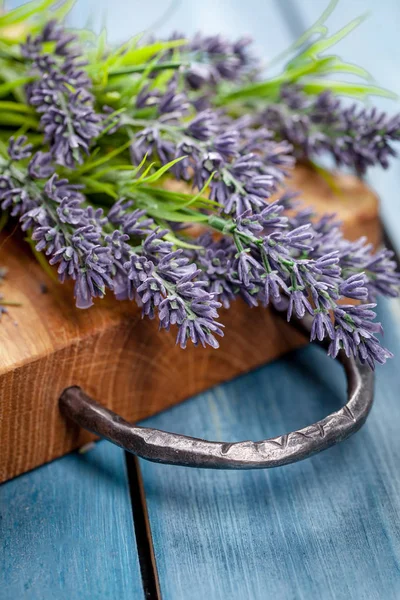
(61, 95)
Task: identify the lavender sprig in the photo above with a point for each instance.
(303, 268)
(214, 59)
(61, 94)
(59, 225)
(262, 251)
(356, 137)
(123, 252)
(162, 280)
(247, 165)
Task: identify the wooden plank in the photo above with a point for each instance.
(66, 531)
(122, 360)
(328, 527)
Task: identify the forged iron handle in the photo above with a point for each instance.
(176, 449)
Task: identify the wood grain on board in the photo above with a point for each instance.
(123, 361)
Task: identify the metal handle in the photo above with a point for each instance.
(175, 449)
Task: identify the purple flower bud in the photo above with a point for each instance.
(17, 150)
(322, 326)
(354, 287)
(298, 301)
(203, 126)
(61, 95)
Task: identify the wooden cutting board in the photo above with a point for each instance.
(118, 358)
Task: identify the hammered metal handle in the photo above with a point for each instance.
(175, 449)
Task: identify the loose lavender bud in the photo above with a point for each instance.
(173, 103)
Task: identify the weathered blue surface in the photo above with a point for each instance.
(66, 531)
(328, 527)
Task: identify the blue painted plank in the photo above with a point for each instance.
(328, 527)
(66, 531)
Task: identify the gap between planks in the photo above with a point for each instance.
(144, 541)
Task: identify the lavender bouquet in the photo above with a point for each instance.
(92, 136)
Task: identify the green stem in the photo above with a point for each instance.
(143, 68)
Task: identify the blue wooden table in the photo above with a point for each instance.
(101, 525)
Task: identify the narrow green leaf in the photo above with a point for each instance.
(16, 119)
(8, 74)
(129, 169)
(200, 193)
(16, 107)
(356, 90)
(4, 145)
(170, 237)
(144, 67)
(24, 12)
(101, 44)
(177, 198)
(139, 56)
(9, 86)
(61, 12)
(113, 169)
(137, 85)
(93, 164)
(185, 216)
(333, 64)
(119, 51)
(145, 173)
(141, 164)
(320, 46)
(160, 172)
(263, 89)
(110, 118)
(317, 27)
(94, 186)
